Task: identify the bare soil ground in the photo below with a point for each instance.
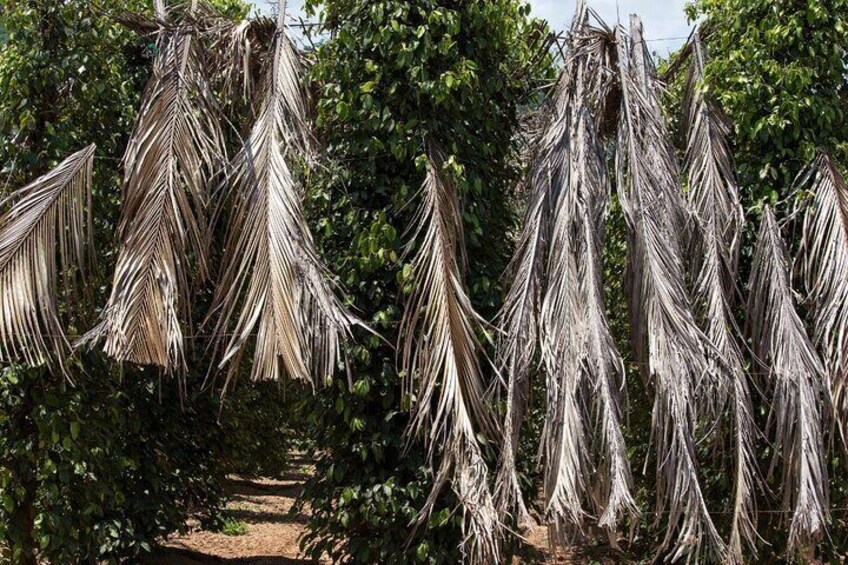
(273, 532)
(264, 507)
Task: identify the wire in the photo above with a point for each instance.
(681, 38)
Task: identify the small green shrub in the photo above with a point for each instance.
(233, 527)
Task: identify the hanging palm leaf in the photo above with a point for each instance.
(604, 371)
(714, 198)
(796, 375)
(48, 219)
(824, 255)
(557, 298)
(440, 351)
(519, 319)
(239, 53)
(667, 342)
(174, 151)
(273, 284)
(578, 350)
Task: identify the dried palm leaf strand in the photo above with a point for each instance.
(440, 352)
(797, 376)
(273, 284)
(45, 237)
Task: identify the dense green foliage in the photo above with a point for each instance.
(393, 73)
(116, 465)
(778, 70)
(119, 463)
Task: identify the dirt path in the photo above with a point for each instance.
(268, 533)
(260, 514)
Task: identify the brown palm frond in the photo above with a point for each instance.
(714, 198)
(440, 352)
(601, 361)
(48, 219)
(577, 346)
(240, 53)
(556, 297)
(139, 23)
(273, 284)
(567, 463)
(666, 339)
(174, 151)
(519, 320)
(604, 369)
(824, 261)
(713, 194)
(797, 376)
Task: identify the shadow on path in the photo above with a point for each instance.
(182, 556)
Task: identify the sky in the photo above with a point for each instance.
(664, 20)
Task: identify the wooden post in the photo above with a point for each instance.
(281, 17)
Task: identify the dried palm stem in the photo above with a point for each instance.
(714, 198)
(824, 261)
(667, 341)
(273, 284)
(174, 150)
(45, 237)
(442, 357)
(797, 376)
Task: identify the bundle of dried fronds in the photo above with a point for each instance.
(174, 151)
(556, 300)
(239, 54)
(674, 353)
(274, 285)
(824, 255)
(44, 238)
(714, 198)
(440, 352)
(796, 375)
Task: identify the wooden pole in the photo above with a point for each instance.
(281, 17)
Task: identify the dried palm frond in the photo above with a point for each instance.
(556, 297)
(604, 371)
(567, 463)
(440, 352)
(577, 347)
(674, 353)
(824, 261)
(714, 198)
(517, 346)
(239, 53)
(174, 150)
(49, 219)
(797, 376)
(273, 284)
(235, 51)
(713, 194)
